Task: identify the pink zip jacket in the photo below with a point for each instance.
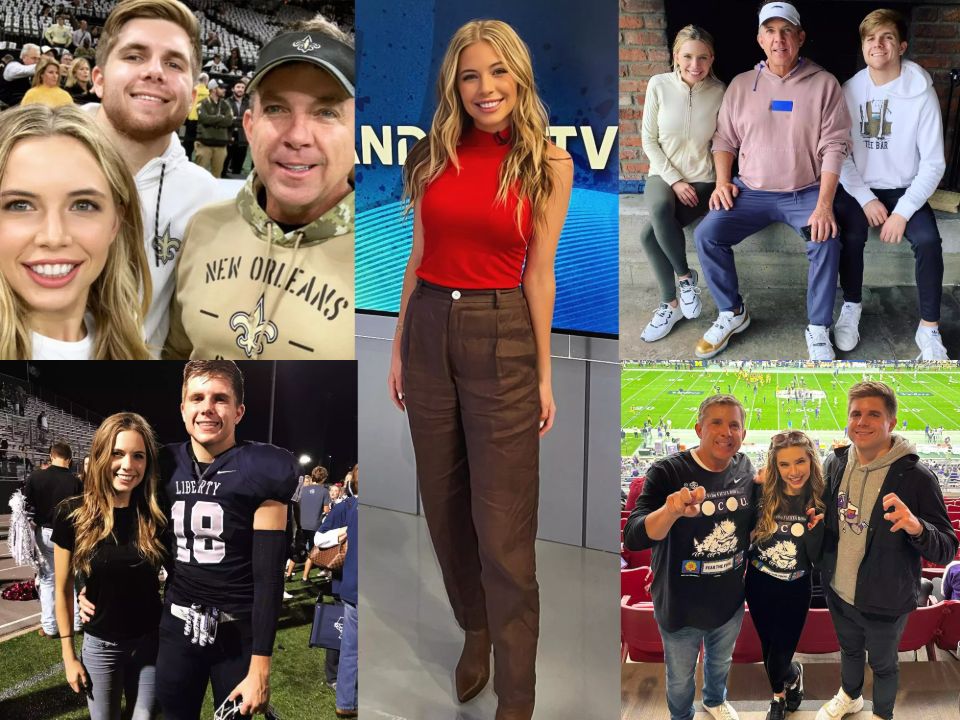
(784, 131)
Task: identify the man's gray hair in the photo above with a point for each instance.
(27, 47)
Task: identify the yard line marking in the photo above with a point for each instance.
(14, 622)
(23, 685)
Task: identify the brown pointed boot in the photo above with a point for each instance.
(473, 670)
(514, 713)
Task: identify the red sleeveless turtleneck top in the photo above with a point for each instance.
(469, 240)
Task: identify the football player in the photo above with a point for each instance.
(227, 505)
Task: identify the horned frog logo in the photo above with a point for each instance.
(165, 247)
(782, 556)
(306, 45)
(253, 330)
(721, 541)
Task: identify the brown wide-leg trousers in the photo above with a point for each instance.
(471, 393)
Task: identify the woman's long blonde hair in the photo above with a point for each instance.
(115, 298)
(93, 520)
(72, 73)
(525, 172)
(774, 493)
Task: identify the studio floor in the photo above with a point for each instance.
(410, 643)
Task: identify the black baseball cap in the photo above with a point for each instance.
(328, 53)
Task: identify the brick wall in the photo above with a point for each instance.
(934, 44)
(643, 54)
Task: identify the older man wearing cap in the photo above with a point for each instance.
(269, 274)
(788, 126)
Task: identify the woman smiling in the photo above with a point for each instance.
(72, 264)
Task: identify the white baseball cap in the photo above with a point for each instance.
(782, 10)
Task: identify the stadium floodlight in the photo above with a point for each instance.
(305, 459)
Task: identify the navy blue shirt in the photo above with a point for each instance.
(345, 514)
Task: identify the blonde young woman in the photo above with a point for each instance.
(679, 120)
(471, 355)
(46, 88)
(788, 537)
(109, 538)
(79, 83)
(72, 263)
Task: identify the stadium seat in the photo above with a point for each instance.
(623, 522)
(747, 648)
(949, 636)
(639, 635)
(922, 629)
(637, 558)
(818, 635)
(635, 582)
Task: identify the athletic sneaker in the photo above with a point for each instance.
(690, 304)
(846, 331)
(662, 323)
(839, 706)
(777, 709)
(930, 344)
(818, 343)
(722, 712)
(795, 691)
(716, 338)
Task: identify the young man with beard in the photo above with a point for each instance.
(269, 275)
(696, 511)
(147, 62)
(889, 514)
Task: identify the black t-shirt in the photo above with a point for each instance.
(698, 567)
(46, 489)
(123, 585)
(789, 552)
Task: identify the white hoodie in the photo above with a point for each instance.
(186, 188)
(897, 138)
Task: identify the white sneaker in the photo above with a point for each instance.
(286, 595)
(930, 344)
(722, 712)
(664, 318)
(716, 338)
(840, 705)
(818, 343)
(846, 330)
(690, 304)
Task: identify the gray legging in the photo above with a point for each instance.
(663, 239)
(127, 667)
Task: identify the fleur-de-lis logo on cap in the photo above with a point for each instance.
(253, 330)
(306, 45)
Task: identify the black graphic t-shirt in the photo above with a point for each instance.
(789, 552)
(699, 566)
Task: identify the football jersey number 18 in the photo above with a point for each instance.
(208, 548)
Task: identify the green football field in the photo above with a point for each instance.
(931, 396)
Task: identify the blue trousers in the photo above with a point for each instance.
(347, 674)
(721, 230)
(117, 669)
(921, 233)
(680, 650)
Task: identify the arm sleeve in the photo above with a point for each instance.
(269, 554)
(203, 113)
(726, 138)
(932, 164)
(178, 346)
(938, 541)
(650, 135)
(334, 519)
(226, 121)
(834, 144)
(654, 495)
(813, 543)
(16, 70)
(850, 176)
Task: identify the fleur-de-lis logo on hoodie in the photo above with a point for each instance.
(165, 247)
(253, 330)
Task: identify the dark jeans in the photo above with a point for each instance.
(921, 233)
(862, 633)
(779, 610)
(663, 240)
(471, 392)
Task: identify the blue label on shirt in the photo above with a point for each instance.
(690, 567)
(781, 105)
